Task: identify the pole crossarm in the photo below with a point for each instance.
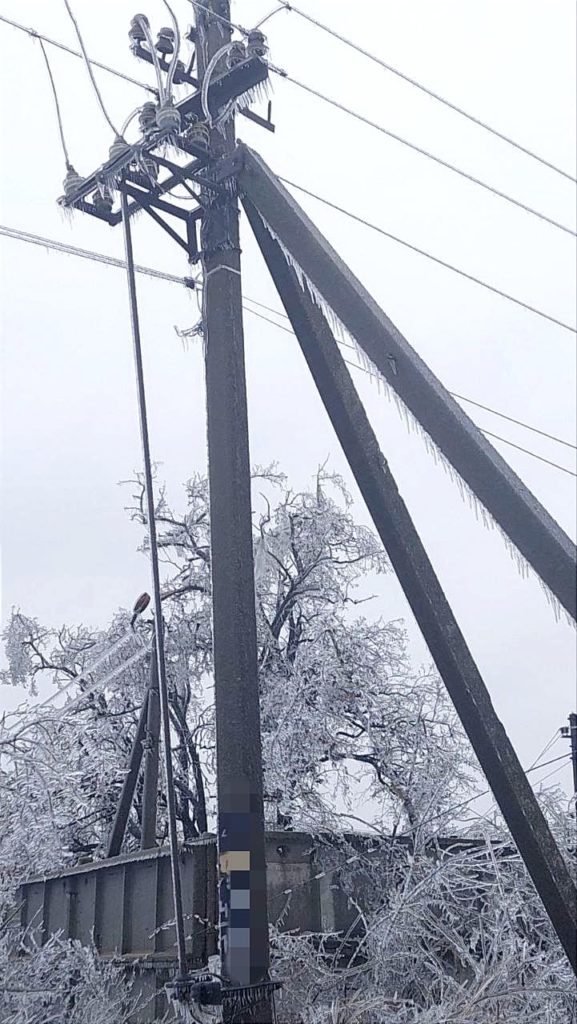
(425, 595)
(535, 534)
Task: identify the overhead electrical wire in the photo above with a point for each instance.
(410, 833)
(174, 61)
(112, 261)
(327, 99)
(399, 138)
(327, 202)
(56, 104)
(428, 255)
(419, 85)
(519, 423)
(527, 451)
(462, 398)
(89, 66)
(16, 731)
(363, 369)
(88, 254)
(419, 149)
(34, 34)
(554, 738)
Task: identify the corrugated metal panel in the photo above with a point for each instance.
(124, 904)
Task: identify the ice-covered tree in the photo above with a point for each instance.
(345, 716)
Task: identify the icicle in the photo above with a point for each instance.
(524, 569)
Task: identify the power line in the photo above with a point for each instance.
(423, 88)
(419, 149)
(355, 114)
(56, 104)
(487, 433)
(511, 419)
(528, 452)
(88, 254)
(34, 34)
(428, 255)
(462, 398)
(112, 261)
(89, 67)
(301, 188)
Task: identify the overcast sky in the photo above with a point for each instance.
(69, 421)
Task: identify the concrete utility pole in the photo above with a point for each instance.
(241, 848)
(570, 732)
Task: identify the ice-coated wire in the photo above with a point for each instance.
(89, 66)
(461, 398)
(363, 369)
(556, 735)
(88, 254)
(428, 255)
(419, 149)
(206, 85)
(15, 733)
(112, 261)
(174, 61)
(400, 241)
(34, 34)
(56, 104)
(419, 85)
(527, 451)
(156, 63)
(130, 119)
(282, 7)
(156, 590)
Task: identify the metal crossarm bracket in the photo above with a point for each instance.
(425, 595)
(535, 534)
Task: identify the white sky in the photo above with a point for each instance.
(70, 429)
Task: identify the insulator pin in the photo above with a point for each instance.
(118, 148)
(165, 41)
(168, 117)
(147, 117)
(72, 181)
(236, 54)
(256, 45)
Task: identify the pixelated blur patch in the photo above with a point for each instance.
(234, 860)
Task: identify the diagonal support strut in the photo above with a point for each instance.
(529, 526)
(425, 595)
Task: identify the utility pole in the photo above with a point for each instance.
(244, 944)
(570, 732)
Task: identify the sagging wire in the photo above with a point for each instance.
(174, 61)
(224, 50)
(130, 119)
(282, 7)
(154, 560)
(57, 106)
(143, 23)
(89, 68)
(15, 733)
